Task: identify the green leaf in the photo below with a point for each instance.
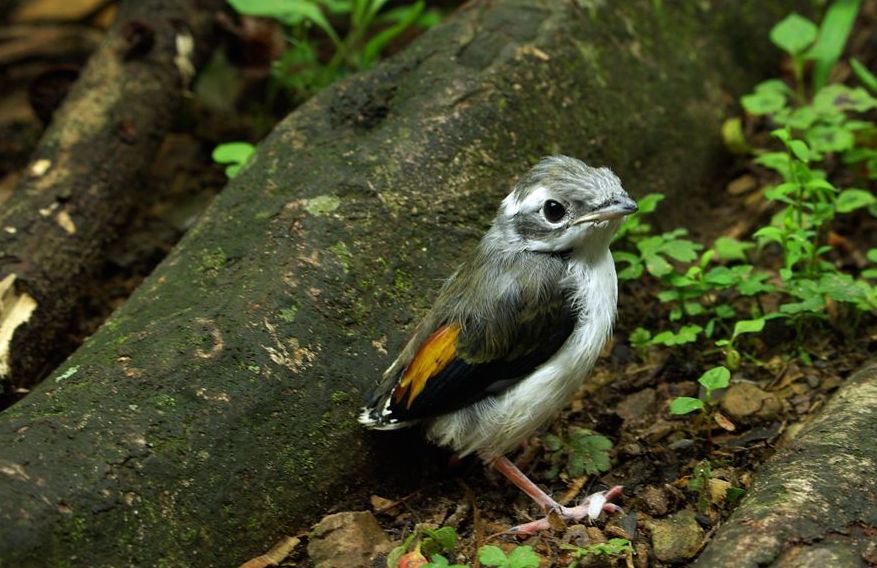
(406, 15)
(814, 305)
(872, 255)
(765, 102)
(769, 97)
(725, 311)
(801, 118)
(523, 557)
(749, 326)
(681, 249)
(490, 555)
(657, 265)
(289, 13)
(843, 288)
(435, 561)
(716, 378)
(721, 276)
(649, 202)
(593, 452)
(444, 537)
(732, 135)
(235, 153)
(833, 33)
(634, 268)
(826, 139)
(852, 199)
(685, 405)
(800, 150)
(865, 76)
(793, 34)
(733, 495)
(729, 248)
(833, 99)
(640, 337)
(776, 161)
(551, 442)
(687, 334)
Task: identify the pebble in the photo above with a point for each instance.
(351, 539)
(747, 403)
(676, 538)
(636, 407)
(656, 500)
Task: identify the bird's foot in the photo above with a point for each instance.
(557, 516)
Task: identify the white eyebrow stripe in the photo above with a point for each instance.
(535, 199)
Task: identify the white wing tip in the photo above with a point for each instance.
(367, 419)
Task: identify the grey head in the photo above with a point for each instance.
(562, 205)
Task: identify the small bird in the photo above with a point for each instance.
(517, 328)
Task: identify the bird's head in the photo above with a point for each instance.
(563, 205)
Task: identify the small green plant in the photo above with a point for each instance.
(439, 561)
(613, 547)
(426, 543)
(714, 379)
(719, 293)
(368, 29)
(700, 484)
(519, 557)
(582, 453)
(236, 154)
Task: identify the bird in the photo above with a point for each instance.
(517, 328)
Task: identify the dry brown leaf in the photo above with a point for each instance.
(741, 185)
(724, 422)
(274, 556)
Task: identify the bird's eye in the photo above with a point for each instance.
(553, 211)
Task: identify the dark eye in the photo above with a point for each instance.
(553, 211)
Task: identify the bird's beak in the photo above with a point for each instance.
(618, 207)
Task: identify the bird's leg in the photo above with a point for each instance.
(591, 507)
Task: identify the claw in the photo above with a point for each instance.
(558, 516)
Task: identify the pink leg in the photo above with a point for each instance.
(591, 507)
(522, 482)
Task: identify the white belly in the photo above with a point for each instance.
(498, 424)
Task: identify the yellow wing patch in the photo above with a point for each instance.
(433, 356)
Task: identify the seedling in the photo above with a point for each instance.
(426, 542)
(700, 484)
(613, 547)
(236, 154)
(584, 453)
(713, 380)
(519, 557)
(369, 29)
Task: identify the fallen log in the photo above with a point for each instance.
(814, 503)
(83, 178)
(215, 411)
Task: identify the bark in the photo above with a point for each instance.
(84, 176)
(215, 411)
(814, 503)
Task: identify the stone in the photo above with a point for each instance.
(676, 538)
(350, 539)
(635, 408)
(747, 403)
(656, 500)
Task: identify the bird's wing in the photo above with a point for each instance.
(463, 361)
